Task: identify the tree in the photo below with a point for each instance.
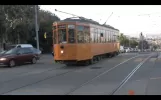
(133, 43)
(123, 40)
(17, 23)
(16, 16)
(145, 44)
(46, 20)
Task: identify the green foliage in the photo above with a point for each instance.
(144, 44)
(155, 47)
(19, 21)
(133, 43)
(126, 42)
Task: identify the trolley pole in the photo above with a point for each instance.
(36, 27)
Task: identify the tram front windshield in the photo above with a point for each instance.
(66, 33)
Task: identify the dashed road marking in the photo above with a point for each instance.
(158, 60)
(155, 78)
(152, 59)
(138, 60)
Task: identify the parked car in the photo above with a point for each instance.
(2, 52)
(38, 52)
(16, 56)
(19, 46)
(122, 50)
(127, 49)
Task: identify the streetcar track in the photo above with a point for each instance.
(40, 80)
(50, 69)
(97, 76)
(60, 75)
(76, 68)
(128, 76)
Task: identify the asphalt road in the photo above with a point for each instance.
(49, 78)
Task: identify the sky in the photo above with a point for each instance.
(129, 19)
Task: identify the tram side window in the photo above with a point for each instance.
(95, 35)
(62, 36)
(117, 36)
(105, 36)
(109, 36)
(101, 35)
(80, 34)
(71, 38)
(113, 34)
(98, 36)
(92, 35)
(113, 37)
(71, 33)
(86, 35)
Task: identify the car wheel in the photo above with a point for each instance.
(34, 60)
(12, 63)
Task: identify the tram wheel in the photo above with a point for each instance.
(91, 61)
(68, 64)
(87, 62)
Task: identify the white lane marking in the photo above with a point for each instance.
(129, 76)
(155, 78)
(152, 59)
(138, 60)
(100, 75)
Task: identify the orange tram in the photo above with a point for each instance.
(80, 41)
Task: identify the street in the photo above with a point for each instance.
(137, 72)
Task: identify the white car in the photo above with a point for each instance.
(19, 45)
(122, 50)
(127, 50)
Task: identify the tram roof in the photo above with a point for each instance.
(84, 20)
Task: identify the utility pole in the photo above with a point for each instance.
(142, 45)
(36, 27)
(129, 42)
(141, 41)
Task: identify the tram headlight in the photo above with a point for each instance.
(61, 51)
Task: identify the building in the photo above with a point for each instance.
(154, 39)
